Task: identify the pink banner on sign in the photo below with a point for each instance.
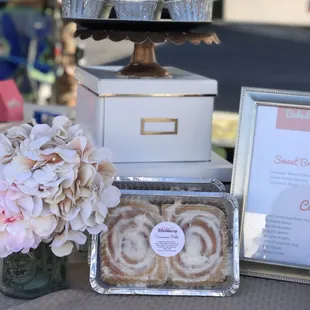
(293, 119)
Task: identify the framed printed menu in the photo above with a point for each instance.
(271, 180)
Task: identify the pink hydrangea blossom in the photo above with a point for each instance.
(54, 185)
(24, 223)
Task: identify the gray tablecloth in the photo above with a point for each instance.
(254, 294)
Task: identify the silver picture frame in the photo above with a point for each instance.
(251, 99)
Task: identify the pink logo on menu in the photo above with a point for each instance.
(293, 119)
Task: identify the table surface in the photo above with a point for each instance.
(254, 294)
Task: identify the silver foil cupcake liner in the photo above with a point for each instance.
(190, 10)
(82, 8)
(135, 10)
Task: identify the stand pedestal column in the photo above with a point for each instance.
(143, 63)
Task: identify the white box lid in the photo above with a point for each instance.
(103, 80)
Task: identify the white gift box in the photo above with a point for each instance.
(147, 120)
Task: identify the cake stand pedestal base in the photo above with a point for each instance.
(143, 63)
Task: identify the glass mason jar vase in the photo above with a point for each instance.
(34, 274)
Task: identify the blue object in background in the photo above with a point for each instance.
(18, 29)
(43, 117)
(9, 44)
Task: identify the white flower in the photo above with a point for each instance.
(6, 149)
(17, 134)
(64, 131)
(62, 244)
(65, 208)
(102, 158)
(85, 205)
(86, 175)
(13, 201)
(81, 145)
(23, 222)
(60, 127)
(93, 206)
(32, 148)
(54, 185)
(18, 170)
(110, 197)
(96, 156)
(108, 172)
(40, 171)
(44, 224)
(40, 130)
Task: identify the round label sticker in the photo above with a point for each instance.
(167, 239)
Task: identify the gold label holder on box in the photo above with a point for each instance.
(144, 121)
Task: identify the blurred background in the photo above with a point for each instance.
(263, 44)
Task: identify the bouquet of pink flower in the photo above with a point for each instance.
(54, 185)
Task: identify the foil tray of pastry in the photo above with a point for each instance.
(168, 243)
(169, 184)
(161, 184)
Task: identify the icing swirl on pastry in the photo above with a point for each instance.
(201, 259)
(127, 254)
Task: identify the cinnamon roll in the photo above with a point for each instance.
(203, 260)
(127, 257)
